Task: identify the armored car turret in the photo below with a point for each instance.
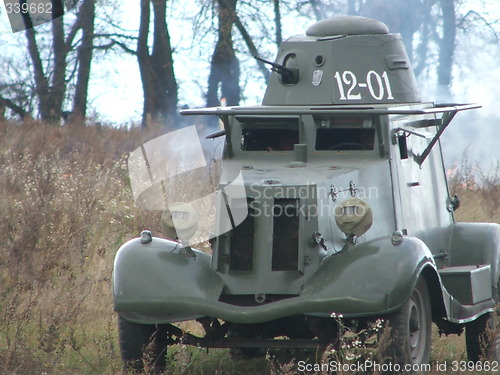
(332, 202)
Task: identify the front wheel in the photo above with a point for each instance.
(410, 329)
(142, 344)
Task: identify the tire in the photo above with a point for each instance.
(408, 340)
(142, 344)
(482, 338)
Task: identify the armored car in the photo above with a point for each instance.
(332, 206)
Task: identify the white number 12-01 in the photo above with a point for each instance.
(377, 85)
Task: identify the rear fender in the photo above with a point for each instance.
(474, 244)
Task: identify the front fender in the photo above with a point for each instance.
(372, 278)
(158, 283)
(145, 274)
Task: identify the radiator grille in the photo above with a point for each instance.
(285, 235)
(242, 241)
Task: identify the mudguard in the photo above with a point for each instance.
(147, 276)
(473, 244)
(160, 283)
(476, 243)
(371, 279)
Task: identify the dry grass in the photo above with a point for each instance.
(66, 207)
(479, 192)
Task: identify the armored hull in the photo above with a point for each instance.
(332, 199)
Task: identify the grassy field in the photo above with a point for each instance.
(66, 207)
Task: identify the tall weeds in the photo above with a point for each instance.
(66, 207)
(478, 188)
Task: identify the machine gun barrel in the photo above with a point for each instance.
(285, 72)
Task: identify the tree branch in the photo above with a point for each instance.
(4, 102)
(488, 24)
(72, 32)
(114, 42)
(249, 42)
(111, 35)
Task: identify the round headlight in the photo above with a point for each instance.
(353, 217)
(180, 221)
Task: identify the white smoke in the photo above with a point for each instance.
(475, 135)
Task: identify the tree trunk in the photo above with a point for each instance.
(157, 73)
(58, 84)
(84, 58)
(318, 14)
(400, 16)
(225, 68)
(277, 22)
(41, 82)
(251, 46)
(421, 52)
(50, 95)
(446, 50)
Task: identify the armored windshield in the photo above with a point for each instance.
(345, 139)
(270, 134)
(344, 134)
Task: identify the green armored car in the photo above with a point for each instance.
(328, 206)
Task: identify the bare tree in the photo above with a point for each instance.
(50, 66)
(223, 80)
(84, 60)
(50, 94)
(156, 66)
(401, 16)
(432, 23)
(446, 48)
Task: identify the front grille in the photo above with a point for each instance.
(285, 235)
(242, 240)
